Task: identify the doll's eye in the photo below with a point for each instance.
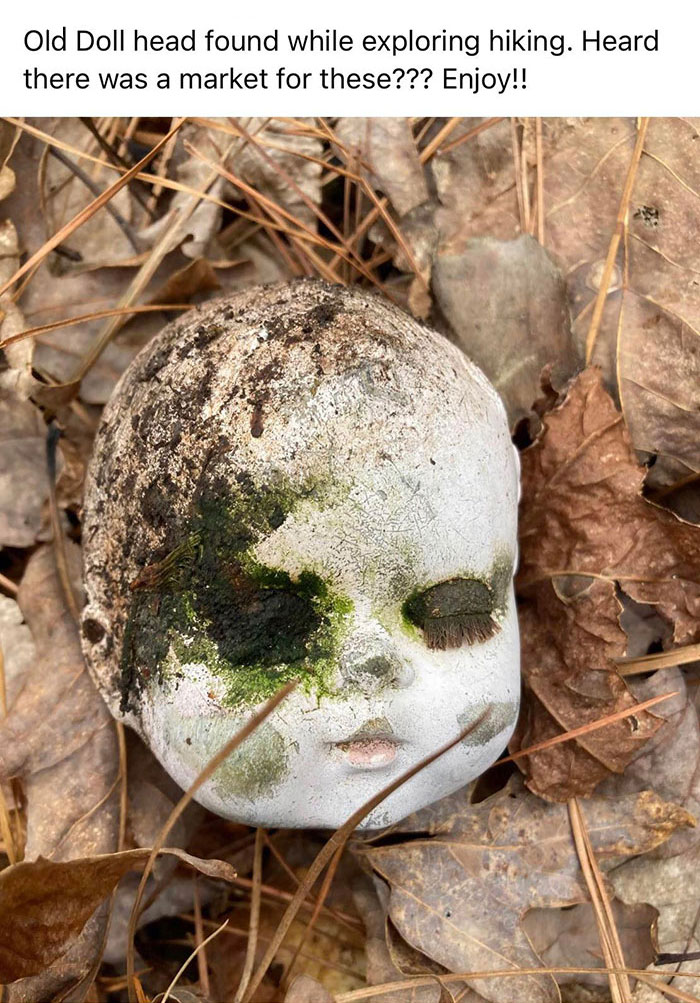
(456, 612)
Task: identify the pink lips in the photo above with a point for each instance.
(369, 753)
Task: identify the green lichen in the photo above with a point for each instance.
(255, 769)
(211, 602)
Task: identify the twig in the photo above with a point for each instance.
(615, 240)
(586, 728)
(254, 926)
(85, 214)
(92, 187)
(52, 437)
(202, 966)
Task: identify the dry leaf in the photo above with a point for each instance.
(652, 313)
(44, 905)
(17, 649)
(569, 938)
(459, 895)
(9, 135)
(60, 739)
(475, 184)
(304, 989)
(384, 151)
(670, 885)
(279, 150)
(23, 476)
(99, 241)
(670, 761)
(585, 531)
(659, 374)
(196, 277)
(506, 304)
(381, 965)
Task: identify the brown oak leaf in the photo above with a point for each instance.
(458, 896)
(585, 532)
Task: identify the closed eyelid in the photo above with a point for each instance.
(454, 612)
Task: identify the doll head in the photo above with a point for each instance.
(302, 482)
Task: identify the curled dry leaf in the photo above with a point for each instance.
(459, 895)
(506, 304)
(59, 739)
(586, 531)
(45, 904)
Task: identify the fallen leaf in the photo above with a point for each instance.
(585, 531)
(459, 895)
(100, 240)
(569, 938)
(382, 965)
(23, 476)
(304, 989)
(280, 150)
(506, 304)
(202, 224)
(475, 184)
(670, 885)
(17, 649)
(9, 135)
(45, 904)
(670, 761)
(666, 878)
(384, 151)
(659, 386)
(60, 740)
(648, 335)
(196, 277)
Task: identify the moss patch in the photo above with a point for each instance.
(210, 602)
(255, 769)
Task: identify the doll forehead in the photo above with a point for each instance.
(392, 529)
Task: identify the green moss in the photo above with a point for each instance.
(211, 602)
(255, 769)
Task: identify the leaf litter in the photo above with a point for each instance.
(501, 233)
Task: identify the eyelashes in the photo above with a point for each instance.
(445, 632)
(455, 612)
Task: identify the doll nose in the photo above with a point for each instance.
(369, 663)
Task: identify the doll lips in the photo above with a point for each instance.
(369, 747)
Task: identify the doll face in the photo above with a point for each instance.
(359, 537)
(383, 583)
